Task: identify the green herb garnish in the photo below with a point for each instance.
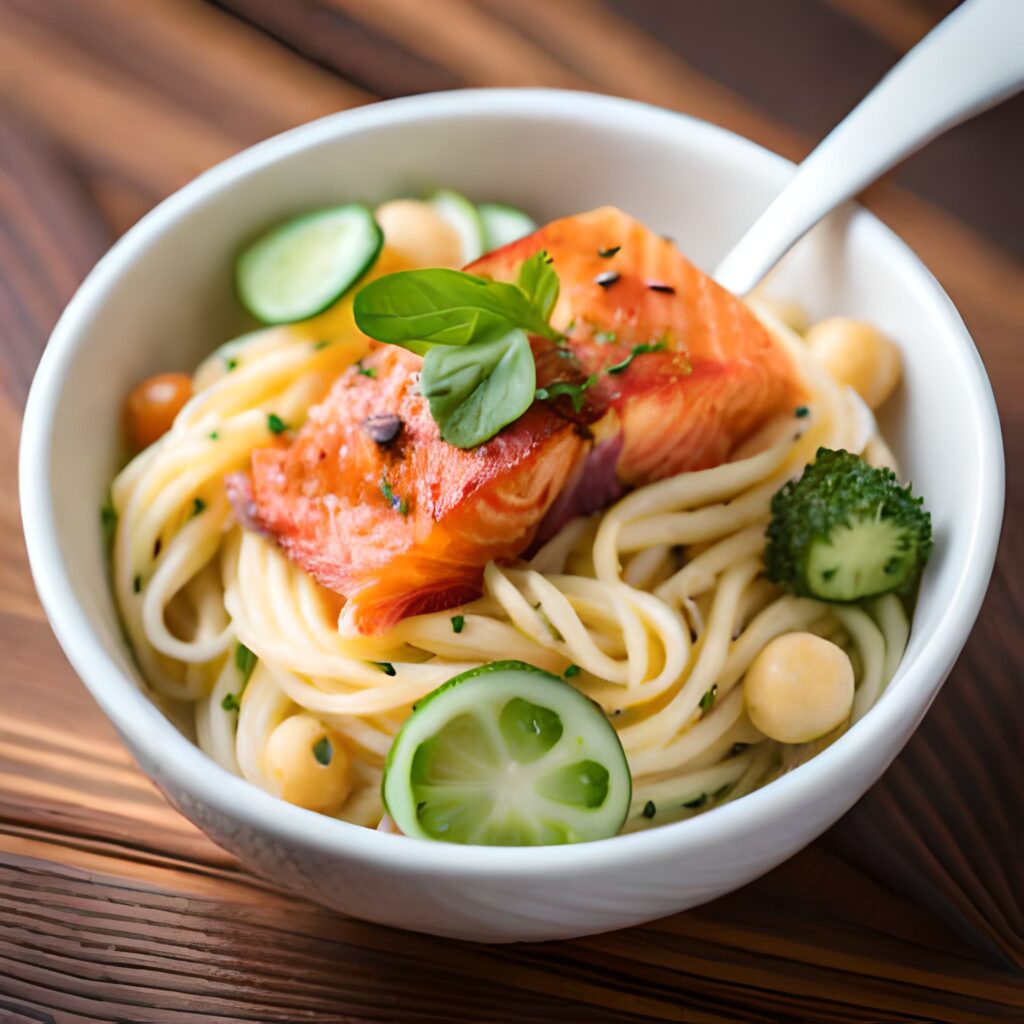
(137, 584)
(609, 252)
(322, 343)
(275, 424)
(231, 703)
(386, 667)
(572, 670)
(458, 623)
(699, 801)
(539, 283)
(245, 662)
(400, 505)
(707, 702)
(802, 411)
(605, 337)
(649, 810)
(230, 363)
(573, 390)
(213, 435)
(478, 371)
(323, 751)
(476, 390)
(638, 350)
(198, 505)
(420, 308)
(365, 371)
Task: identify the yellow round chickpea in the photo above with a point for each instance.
(855, 353)
(308, 764)
(799, 688)
(419, 234)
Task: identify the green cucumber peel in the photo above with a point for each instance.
(301, 267)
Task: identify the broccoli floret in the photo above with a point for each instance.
(846, 530)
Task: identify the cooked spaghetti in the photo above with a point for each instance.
(654, 607)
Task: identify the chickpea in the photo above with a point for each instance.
(799, 688)
(152, 406)
(419, 234)
(855, 353)
(308, 763)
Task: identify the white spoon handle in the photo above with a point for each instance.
(970, 62)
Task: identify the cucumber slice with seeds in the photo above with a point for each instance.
(504, 224)
(463, 216)
(507, 755)
(302, 267)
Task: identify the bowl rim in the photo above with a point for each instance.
(185, 768)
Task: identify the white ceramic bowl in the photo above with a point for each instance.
(162, 298)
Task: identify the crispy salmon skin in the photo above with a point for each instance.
(376, 506)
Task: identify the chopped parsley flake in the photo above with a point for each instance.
(245, 662)
(605, 337)
(802, 411)
(137, 584)
(699, 801)
(323, 751)
(649, 810)
(230, 364)
(386, 667)
(707, 702)
(365, 371)
(275, 424)
(198, 505)
(638, 350)
(607, 254)
(458, 623)
(572, 670)
(400, 505)
(565, 387)
(213, 435)
(322, 343)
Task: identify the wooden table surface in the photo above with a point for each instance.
(112, 907)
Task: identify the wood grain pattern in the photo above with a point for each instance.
(112, 907)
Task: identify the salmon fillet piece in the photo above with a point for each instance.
(720, 374)
(404, 525)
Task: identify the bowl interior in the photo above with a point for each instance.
(163, 298)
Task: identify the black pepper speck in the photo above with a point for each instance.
(382, 427)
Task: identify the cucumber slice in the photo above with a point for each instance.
(301, 267)
(463, 216)
(507, 755)
(504, 224)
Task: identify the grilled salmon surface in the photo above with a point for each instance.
(373, 503)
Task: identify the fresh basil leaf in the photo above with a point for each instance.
(473, 392)
(539, 281)
(444, 307)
